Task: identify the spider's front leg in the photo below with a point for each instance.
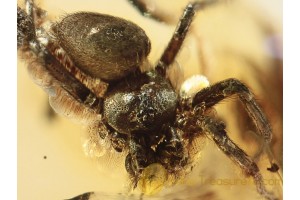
(149, 162)
(215, 130)
(139, 157)
(224, 89)
(170, 151)
(214, 94)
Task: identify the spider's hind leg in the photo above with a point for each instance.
(181, 30)
(215, 130)
(145, 10)
(25, 28)
(179, 35)
(28, 20)
(36, 13)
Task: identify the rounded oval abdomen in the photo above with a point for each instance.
(102, 46)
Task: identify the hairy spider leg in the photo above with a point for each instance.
(179, 35)
(214, 94)
(139, 157)
(29, 4)
(45, 63)
(145, 11)
(31, 11)
(229, 87)
(171, 150)
(215, 130)
(46, 56)
(25, 27)
(170, 153)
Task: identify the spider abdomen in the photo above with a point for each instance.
(140, 104)
(102, 46)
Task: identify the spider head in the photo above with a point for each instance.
(140, 103)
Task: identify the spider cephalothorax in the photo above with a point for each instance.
(89, 64)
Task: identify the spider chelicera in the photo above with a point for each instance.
(90, 65)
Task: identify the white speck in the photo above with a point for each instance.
(94, 30)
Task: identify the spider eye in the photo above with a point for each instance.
(103, 46)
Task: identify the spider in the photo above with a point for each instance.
(90, 65)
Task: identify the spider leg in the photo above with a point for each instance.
(48, 58)
(142, 7)
(170, 151)
(179, 35)
(29, 4)
(27, 23)
(214, 94)
(118, 141)
(215, 130)
(139, 157)
(25, 28)
(30, 10)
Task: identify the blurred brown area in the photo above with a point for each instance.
(237, 39)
